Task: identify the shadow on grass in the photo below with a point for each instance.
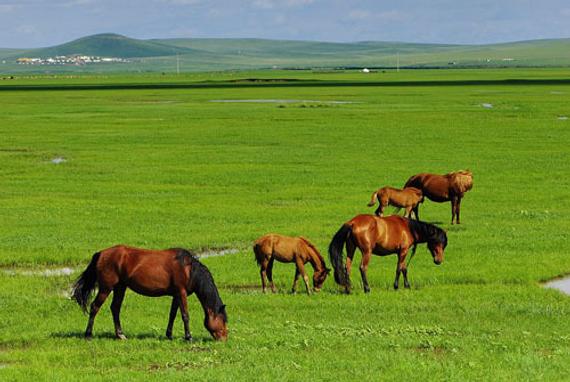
(252, 83)
(139, 336)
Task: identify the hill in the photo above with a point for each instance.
(108, 45)
(223, 54)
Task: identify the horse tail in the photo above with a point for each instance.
(335, 254)
(258, 252)
(85, 284)
(373, 199)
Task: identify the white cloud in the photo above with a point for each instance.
(270, 4)
(5, 8)
(77, 3)
(181, 2)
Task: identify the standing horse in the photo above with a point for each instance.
(172, 272)
(382, 236)
(443, 188)
(408, 198)
(287, 249)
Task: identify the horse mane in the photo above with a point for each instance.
(310, 245)
(426, 230)
(461, 181)
(202, 282)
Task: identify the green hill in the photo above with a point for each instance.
(208, 54)
(108, 45)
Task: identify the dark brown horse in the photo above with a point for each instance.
(173, 272)
(382, 236)
(288, 249)
(444, 188)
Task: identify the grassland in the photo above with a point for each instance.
(167, 167)
(198, 55)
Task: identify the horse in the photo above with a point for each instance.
(443, 188)
(285, 249)
(382, 236)
(172, 272)
(408, 198)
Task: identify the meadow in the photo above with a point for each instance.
(160, 167)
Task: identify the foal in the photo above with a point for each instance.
(408, 198)
(287, 250)
(172, 272)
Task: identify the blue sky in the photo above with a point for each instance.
(36, 23)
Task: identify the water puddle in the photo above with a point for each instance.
(563, 285)
(58, 160)
(216, 252)
(280, 101)
(53, 272)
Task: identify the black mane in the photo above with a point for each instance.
(202, 282)
(427, 232)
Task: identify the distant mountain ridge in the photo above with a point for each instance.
(201, 54)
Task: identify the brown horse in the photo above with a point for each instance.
(443, 188)
(409, 198)
(173, 272)
(287, 249)
(382, 236)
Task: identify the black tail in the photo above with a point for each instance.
(335, 254)
(85, 284)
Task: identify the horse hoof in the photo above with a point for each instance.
(189, 339)
(121, 337)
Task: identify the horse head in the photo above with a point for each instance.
(437, 242)
(216, 323)
(319, 278)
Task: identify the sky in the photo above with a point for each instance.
(40, 23)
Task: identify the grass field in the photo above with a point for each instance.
(207, 54)
(160, 168)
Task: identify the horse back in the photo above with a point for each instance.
(148, 272)
(433, 186)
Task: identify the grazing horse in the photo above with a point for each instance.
(287, 249)
(408, 198)
(443, 188)
(382, 236)
(172, 272)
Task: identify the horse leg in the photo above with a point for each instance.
(297, 273)
(173, 309)
(118, 296)
(95, 306)
(379, 210)
(408, 213)
(454, 209)
(270, 274)
(364, 269)
(458, 210)
(301, 268)
(183, 302)
(401, 268)
(263, 274)
(416, 212)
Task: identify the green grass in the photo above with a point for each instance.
(167, 167)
